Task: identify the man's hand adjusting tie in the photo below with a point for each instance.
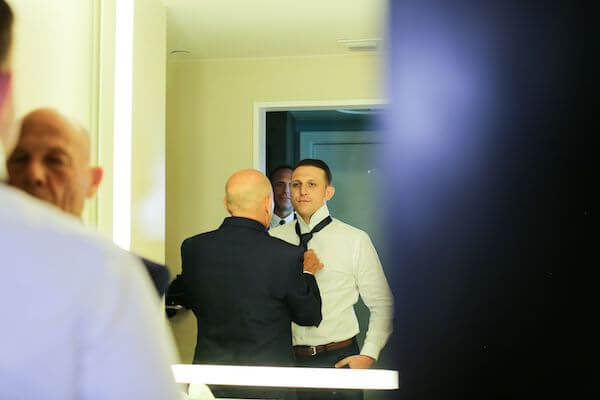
(312, 264)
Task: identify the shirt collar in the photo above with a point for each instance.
(317, 217)
(276, 218)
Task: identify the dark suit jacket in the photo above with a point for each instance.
(159, 274)
(245, 288)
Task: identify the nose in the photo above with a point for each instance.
(287, 189)
(303, 190)
(36, 174)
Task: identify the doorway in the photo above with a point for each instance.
(348, 139)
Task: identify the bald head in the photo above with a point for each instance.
(248, 194)
(50, 122)
(52, 161)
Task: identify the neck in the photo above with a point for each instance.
(251, 216)
(306, 218)
(282, 213)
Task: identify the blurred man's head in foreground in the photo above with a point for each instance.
(51, 161)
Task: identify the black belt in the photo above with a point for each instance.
(305, 351)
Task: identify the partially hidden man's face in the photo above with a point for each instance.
(281, 189)
(310, 190)
(50, 162)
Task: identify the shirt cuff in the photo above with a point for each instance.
(371, 350)
(308, 272)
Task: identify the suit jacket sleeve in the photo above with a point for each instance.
(303, 296)
(160, 275)
(177, 291)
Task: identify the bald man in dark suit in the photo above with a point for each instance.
(246, 287)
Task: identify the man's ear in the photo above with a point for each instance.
(329, 192)
(96, 174)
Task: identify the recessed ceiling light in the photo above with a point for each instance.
(183, 52)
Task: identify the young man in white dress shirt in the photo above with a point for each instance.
(352, 269)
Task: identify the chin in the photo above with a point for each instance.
(305, 211)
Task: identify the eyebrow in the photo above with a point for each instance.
(58, 150)
(307, 181)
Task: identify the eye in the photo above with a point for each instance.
(18, 158)
(55, 161)
(295, 185)
(311, 184)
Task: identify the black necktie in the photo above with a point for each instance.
(305, 237)
(281, 221)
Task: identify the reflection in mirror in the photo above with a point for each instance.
(349, 141)
(220, 68)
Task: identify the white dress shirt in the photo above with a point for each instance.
(276, 220)
(352, 267)
(80, 316)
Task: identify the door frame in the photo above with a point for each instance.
(259, 122)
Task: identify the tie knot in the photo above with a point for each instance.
(281, 222)
(305, 237)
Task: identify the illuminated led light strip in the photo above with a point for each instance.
(122, 123)
(324, 378)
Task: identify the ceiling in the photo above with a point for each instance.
(270, 28)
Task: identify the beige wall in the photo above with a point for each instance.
(210, 107)
(148, 128)
(49, 61)
(52, 67)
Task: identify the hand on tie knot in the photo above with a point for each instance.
(312, 264)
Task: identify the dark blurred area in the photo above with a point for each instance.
(488, 199)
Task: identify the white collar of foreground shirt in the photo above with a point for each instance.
(317, 217)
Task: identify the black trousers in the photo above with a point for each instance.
(328, 359)
(252, 392)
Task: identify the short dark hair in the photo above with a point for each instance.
(313, 162)
(6, 23)
(276, 170)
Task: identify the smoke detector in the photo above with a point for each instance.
(360, 44)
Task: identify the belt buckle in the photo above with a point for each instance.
(313, 350)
